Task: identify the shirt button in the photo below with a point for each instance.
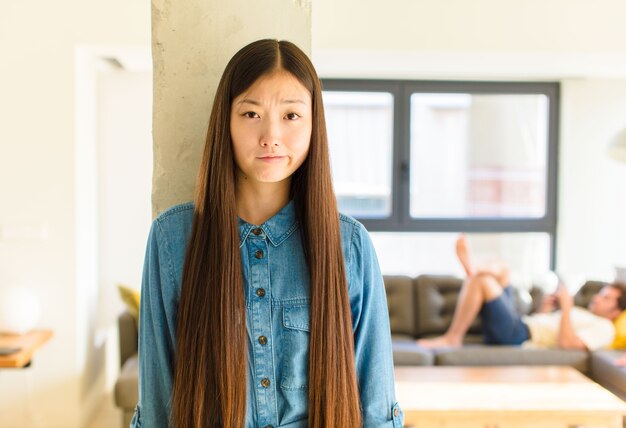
(258, 254)
(257, 231)
(262, 340)
(265, 382)
(260, 292)
(396, 412)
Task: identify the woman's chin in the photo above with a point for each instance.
(270, 179)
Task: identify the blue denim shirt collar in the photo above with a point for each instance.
(277, 228)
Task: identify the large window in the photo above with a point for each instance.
(433, 158)
(362, 162)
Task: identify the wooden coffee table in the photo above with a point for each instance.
(504, 397)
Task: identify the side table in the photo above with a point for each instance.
(27, 343)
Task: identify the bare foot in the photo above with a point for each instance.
(462, 252)
(439, 342)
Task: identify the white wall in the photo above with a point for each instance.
(580, 43)
(124, 112)
(481, 39)
(592, 203)
(125, 181)
(37, 182)
(479, 25)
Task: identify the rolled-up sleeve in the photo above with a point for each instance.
(372, 336)
(156, 334)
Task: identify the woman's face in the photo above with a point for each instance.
(270, 127)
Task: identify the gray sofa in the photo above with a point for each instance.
(422, 307)
(126, 386)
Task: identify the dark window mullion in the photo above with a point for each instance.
(402, 147)
(553, 94)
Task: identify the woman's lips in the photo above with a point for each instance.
(271, 159)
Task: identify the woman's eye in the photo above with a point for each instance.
(250, 115)
(292, 116)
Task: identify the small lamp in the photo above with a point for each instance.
(617, 147)
(19, 310)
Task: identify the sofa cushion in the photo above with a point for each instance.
(483, 355)
(407, 353)
(436, 299)
(126, 387)
(400, 301)
(605, 372)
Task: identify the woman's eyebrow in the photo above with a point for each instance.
(248, 101)
(294, 101)
(287, 101)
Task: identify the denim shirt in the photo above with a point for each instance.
(277, 294)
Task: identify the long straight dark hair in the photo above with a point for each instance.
(210, 369)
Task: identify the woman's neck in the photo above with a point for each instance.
(258, 202)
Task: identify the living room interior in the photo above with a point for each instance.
(78, 160)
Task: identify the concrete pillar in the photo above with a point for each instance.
(191, 43)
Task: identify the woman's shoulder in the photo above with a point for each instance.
(355, 239)
(175, 223)
(176, 212)
(359, 253)
(350, 227)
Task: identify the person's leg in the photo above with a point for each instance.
(501, 324)
(462, 253)
(498, 270)
(475, 292)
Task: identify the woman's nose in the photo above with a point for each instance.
(271, 134)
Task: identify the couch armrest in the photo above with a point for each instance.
(127, 326)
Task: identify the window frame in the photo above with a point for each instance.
(400, 219)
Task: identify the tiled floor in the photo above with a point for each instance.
(107, 416)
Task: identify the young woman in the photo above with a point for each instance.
(261, 305)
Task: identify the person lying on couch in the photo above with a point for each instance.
(487, 292)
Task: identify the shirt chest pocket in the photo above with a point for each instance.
(295, 339)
